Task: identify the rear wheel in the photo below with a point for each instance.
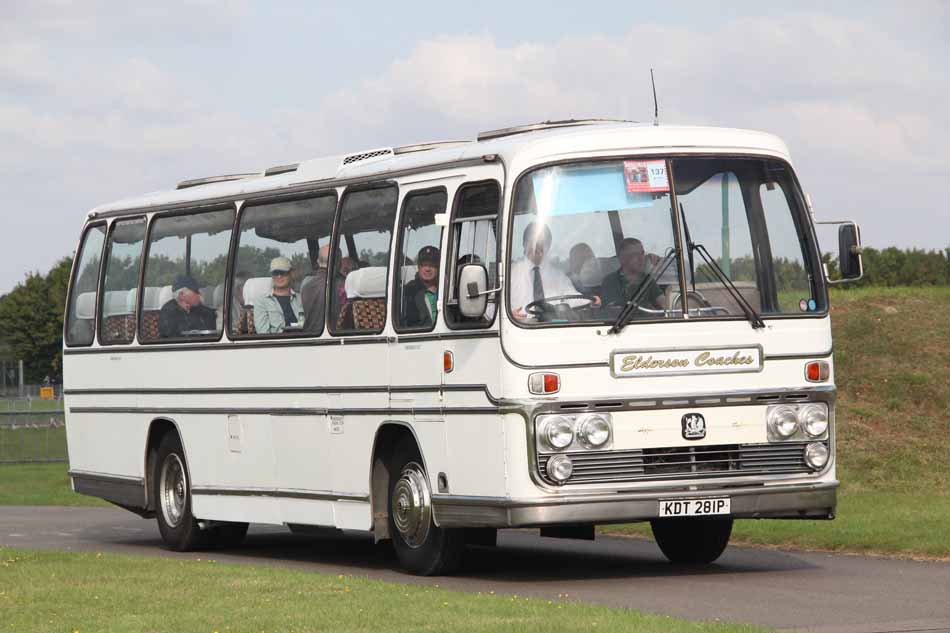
(694, 540)
(422, 547)
(172, 494)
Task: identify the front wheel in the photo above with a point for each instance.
(172, 493)
(422, 547)
(694, 540)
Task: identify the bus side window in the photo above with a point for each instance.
(361, 266)
(184, 251)
(80, 322)
(117, 305)
(473, 241)
(419, 256)
(294, 231)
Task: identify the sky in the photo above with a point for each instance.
(102, 100)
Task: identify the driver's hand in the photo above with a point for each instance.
(519, 314)
(595, 301)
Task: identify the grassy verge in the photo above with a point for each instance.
(39, 484)
(54, 591)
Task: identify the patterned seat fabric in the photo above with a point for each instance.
(149, 330)
(118, 328)
(369, 314)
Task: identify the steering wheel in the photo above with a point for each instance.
(541, 308)
(693, 295)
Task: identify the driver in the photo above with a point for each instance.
(535, 280)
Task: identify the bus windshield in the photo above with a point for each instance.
(592, 240)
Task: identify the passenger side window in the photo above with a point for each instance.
(417, 277)
(124, 260)
(474, 240)
(280, 268)
(361, 265)
(183, 293)
(81, 319)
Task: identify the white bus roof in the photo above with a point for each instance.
(517, 147)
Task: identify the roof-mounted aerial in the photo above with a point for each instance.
(546, 125)
(281, 169)
(424, 147)
(197, 182)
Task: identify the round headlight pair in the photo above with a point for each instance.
(785, 420)
(559, 431)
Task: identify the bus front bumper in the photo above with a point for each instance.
(786, 501)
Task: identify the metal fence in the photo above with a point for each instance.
(32, 430)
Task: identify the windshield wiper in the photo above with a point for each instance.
(634, 302)
(747, 308)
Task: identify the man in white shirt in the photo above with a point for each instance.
(532, 279)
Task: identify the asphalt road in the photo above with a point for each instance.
(783, 589)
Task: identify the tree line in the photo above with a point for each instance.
(31, 315)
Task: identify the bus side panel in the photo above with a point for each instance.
(475, 435)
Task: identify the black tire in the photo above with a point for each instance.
(227, 535)
(693, 540)
(176, 523)
(426, 550)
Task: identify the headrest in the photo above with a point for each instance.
(366, 283)
(255, 288)
(116, 302)
(408, 273)
(151, 296)
(217, 296)
(85, 305)
(165, 295)
(590, 273)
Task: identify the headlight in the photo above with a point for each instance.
(560, 468)
(814, 419)
(816, 455)
(783, 421)
(594, 431)
(558, 432)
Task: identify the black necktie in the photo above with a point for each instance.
(538, 287)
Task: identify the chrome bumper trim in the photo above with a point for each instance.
(792, 501)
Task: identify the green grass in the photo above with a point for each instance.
(32, 444)
(55, 591)
(39, 484)
(30, 404)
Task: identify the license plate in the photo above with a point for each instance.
(693, 507)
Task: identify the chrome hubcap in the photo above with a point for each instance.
(173, 490)
(412, 505)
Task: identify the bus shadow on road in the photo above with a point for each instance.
(519, 556)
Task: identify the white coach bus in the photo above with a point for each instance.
(557, 326)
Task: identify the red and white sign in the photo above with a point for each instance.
(646, 176)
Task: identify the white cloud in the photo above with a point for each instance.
(854, 100)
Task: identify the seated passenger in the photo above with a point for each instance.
(420, 297)
(535, 280)
(580, 260)
(282, 307)
(621, 285)
(184, 313)
(313, 293)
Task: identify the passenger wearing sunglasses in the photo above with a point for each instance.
(282, 308)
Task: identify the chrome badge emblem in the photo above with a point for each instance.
(694, 426)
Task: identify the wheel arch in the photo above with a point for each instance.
(388, 434)
(157, 429)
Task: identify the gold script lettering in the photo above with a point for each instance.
(636, 362)
(708, 360)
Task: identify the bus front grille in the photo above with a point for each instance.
(682, 462)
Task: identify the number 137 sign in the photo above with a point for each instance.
(645, 176)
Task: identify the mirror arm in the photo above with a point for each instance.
(476, 295)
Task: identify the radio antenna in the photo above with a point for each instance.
(656, 106)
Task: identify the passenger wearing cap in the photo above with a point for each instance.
(282, 307)
(420, 297)
(184, 314)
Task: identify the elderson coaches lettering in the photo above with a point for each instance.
(567, 412)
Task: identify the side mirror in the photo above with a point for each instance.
(473, 290)
(849, 252)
